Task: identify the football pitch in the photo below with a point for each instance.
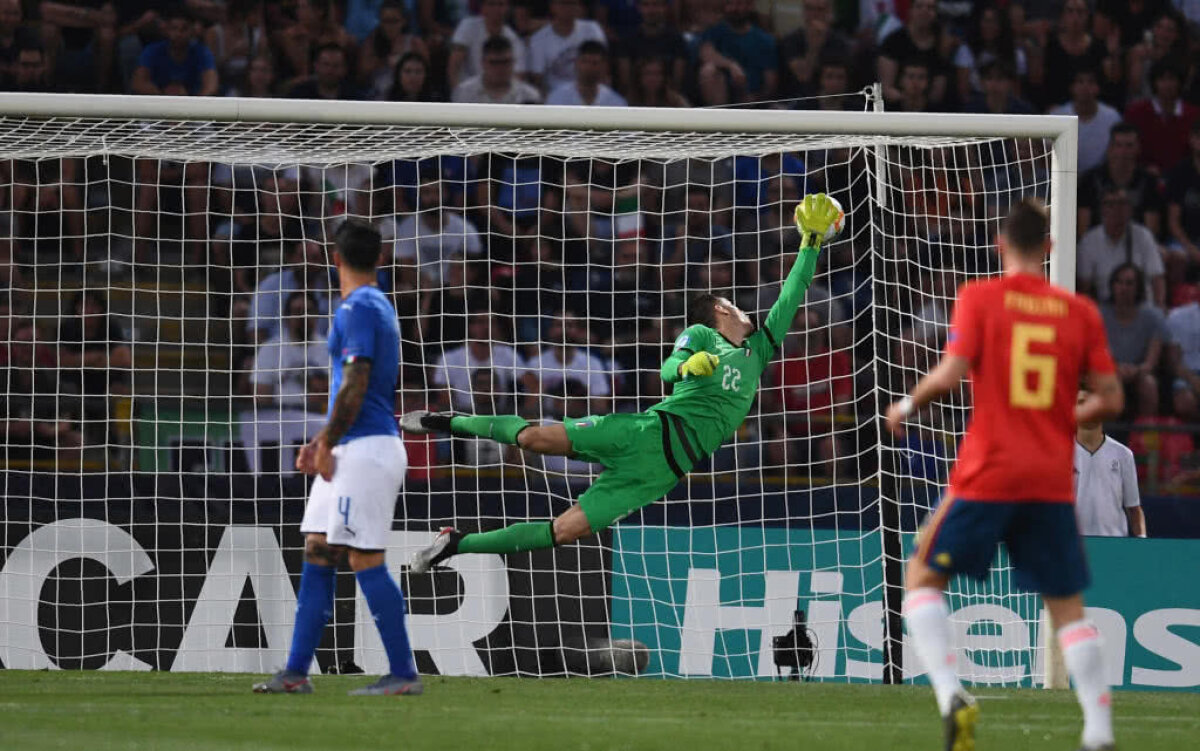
(162, 711)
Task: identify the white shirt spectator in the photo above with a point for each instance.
(455, 367)
(1099, 254)
(568, 94)
(553, 57)
(581, 366)
(266, 309)
(1093, 134)
(1184, 325)
(471, 33)
(432, 247)
(1105, 485)
(473, 90)
(284, 365)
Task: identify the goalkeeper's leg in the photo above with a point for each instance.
(623, 488)
(510, 429)
(571, 525)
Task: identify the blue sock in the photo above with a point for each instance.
(386, 602)
(314, 607)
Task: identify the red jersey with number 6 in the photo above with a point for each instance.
(1028, 343)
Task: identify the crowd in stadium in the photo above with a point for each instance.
(1129, 69)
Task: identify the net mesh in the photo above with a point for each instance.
(168, 292)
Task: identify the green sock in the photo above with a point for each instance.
(514, 538)
(499, 428)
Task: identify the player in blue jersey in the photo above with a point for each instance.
(359, 460)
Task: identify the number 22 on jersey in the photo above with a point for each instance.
(731, 378)
(1024, 364)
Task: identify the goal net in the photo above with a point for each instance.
(168, 291)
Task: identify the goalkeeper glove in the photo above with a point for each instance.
(814, 216)
(699, 364)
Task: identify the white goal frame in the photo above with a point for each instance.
(1061, 131)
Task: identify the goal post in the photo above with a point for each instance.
(572, 230)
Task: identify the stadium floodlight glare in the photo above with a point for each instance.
(171, 202)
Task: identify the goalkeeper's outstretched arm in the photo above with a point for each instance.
(814, 215)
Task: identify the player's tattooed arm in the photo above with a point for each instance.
(355, 377)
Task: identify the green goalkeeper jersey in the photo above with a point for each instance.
(713, 407)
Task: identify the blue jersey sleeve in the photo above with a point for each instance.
(358, 324)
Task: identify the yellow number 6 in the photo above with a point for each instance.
(1025, 362)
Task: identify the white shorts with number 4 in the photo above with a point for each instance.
(355, 509)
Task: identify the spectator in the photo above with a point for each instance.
(1106, 485)
(1072, 46)
(497, 84)
(47, 202)
(753, 175)
(411, 81)
(456, 367)
(1167, 42)
(554, 47)
(588, 88)
(138, 24)
(919, 42)
(444, 309)
(287, 363)
(1162, 444)
(1119, 240)
(29, 70)
(1121, 170)
(258, 81)
(813, 381)
(1096, 119)
(179, 64)
(833, 84)
(260, 237)
(914, 87)
(79, 38)
(305, 269)
(1137, 333)
(622, 296)
(656, 38)
(652, 86)
(990, 39)
(1128, 19)
(434, 234)
(238, 41)
(37, 422)
(802, 51)
(997, 97)
(330, 79)
(618, 18)
(466, 46)
(14, 37)
(1183, 199)
(564, 357)
(737, 58)
(362, 17)
(299, 31)
(1163, 120)
(1184, 324)
(94, 356)
(381, 51)
(705, 231)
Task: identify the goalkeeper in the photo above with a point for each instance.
(715, 366)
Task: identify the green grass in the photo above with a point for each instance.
(162, 711)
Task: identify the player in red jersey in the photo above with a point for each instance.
(1026, 344)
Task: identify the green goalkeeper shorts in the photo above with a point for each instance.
(636, 473)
